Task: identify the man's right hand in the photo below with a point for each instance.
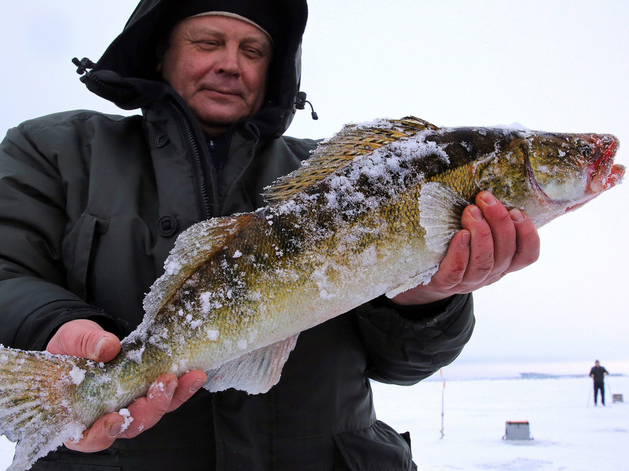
(86, 339)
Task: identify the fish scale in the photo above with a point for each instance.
(370, 213)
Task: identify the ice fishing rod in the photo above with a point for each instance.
(443, 391)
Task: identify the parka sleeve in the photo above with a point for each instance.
(34, 299)
(405, 347)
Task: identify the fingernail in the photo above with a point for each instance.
(198, 384)
(115, 430)
(466, 237)
(516, 215)
(488, 199)
(476, 214)
(170, 389)
(99, 347)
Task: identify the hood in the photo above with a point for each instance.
(126, 73)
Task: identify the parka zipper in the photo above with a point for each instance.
(218, 166)
(197, 157)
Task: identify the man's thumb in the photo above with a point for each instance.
(106, 348)
(86, 339)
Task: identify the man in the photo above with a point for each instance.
(597, 373)
(91, 205)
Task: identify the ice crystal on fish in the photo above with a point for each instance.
(77, 375)
(127, 419)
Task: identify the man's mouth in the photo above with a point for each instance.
(224, 92)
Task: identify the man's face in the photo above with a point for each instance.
(219, 66)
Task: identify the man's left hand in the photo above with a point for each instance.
(492, 243)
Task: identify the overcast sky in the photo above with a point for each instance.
(553, 65)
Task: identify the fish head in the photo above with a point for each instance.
(574, 167)
(548, 174)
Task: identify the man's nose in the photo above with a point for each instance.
(229, 62)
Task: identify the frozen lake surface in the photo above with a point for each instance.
(568, 432)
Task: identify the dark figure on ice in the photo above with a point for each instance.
(597, 373)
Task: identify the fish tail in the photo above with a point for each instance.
(36, 402)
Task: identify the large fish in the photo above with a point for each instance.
(371, 212)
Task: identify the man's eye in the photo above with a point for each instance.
(253, 53)
(208, 44)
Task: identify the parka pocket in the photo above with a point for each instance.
(375, 448)
(80, 245)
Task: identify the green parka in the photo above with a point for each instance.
(91, 204)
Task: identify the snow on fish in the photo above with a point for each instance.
(371, 212)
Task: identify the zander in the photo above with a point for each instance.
(371, 212)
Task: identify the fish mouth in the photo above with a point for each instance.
(602, 174)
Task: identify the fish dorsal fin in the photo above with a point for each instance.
(254, 372)
(193, 247)
(352, 141)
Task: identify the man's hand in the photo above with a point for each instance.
(86, 339)
(492, 243)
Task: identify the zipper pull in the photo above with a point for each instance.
(83, 65)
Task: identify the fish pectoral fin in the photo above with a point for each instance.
(440, 210)
(254, 372)
(352, 141)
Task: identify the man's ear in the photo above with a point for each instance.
(160, 51)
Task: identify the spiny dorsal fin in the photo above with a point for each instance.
(193, 247)
(352, 141)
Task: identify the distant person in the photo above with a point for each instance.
(597, 373)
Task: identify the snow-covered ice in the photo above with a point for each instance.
(569, 433)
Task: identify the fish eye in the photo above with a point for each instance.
(585, 150)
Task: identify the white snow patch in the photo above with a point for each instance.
(212, 335)
(196, 323)
(77, 375)
(127, 419)
(206, 306)
(157, 387)
(172, 267)
(136, 355)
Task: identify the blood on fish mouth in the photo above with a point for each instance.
(603, 174)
